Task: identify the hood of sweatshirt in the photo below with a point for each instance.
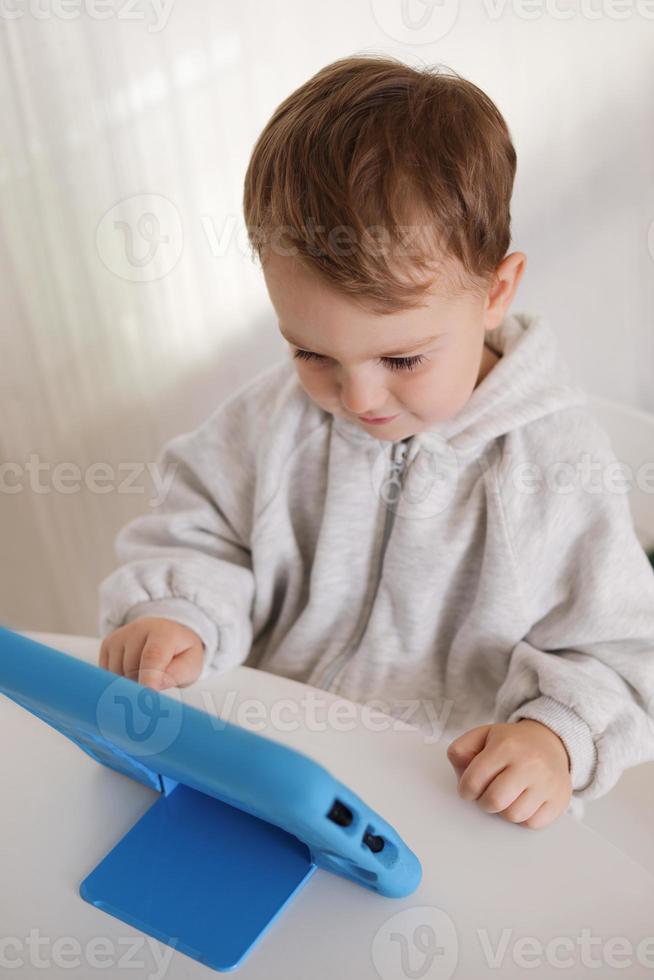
(530, 380)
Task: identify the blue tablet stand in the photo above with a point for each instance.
(241, 822)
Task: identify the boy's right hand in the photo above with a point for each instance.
(158, 653)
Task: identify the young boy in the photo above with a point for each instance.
(417, 506)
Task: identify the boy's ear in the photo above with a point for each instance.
(500, 294)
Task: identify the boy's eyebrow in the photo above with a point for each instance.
(398, 353)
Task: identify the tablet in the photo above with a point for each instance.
(241, 822)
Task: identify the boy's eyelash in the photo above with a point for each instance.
(394, 363)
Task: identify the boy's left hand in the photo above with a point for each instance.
(517, 769)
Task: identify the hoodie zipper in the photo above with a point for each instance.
(393, 485)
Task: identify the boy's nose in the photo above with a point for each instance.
(365, 411)
(364, 400)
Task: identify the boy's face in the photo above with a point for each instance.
(433, 357)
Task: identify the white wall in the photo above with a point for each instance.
(161, 106)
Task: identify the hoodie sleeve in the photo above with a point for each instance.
(189, 559)
(585, 666)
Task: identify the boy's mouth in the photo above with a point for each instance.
(377, 421)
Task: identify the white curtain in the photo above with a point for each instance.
(130, 305)
(105, 354)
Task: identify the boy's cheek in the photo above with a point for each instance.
(311, 385)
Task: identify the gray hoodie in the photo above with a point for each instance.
(484, 570)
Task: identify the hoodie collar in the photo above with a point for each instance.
(530, 380)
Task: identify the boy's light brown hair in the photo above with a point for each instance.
(373, 170)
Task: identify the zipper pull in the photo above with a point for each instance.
(392, 485)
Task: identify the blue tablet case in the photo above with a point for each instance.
(241, 822)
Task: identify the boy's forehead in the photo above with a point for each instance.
(304, 302)
(293, 287)
(315, 317)
(279, 266)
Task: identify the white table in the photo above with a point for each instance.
(486, 883)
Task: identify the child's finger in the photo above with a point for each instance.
(184, 668)
(503, 790)
(115, 657)
(132, 656)
(459, 770)
(463, 749)
(103, 657)
(480, 773)
(155, 658)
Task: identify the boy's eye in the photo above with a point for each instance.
(393, 363)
